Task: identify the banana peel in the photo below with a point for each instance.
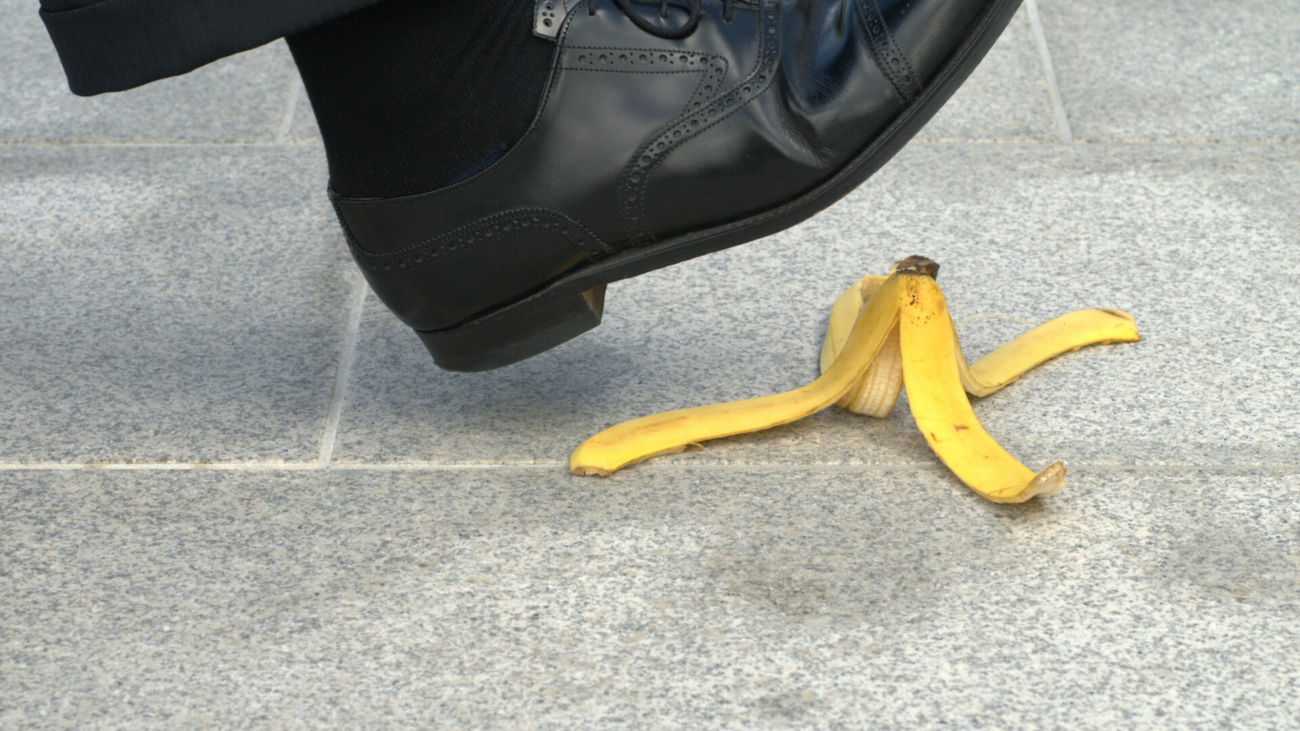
(675, 431)
(886, 334)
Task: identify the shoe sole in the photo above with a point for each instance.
(574, 303)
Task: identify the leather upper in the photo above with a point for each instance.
(639, 139)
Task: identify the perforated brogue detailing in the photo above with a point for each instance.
(708, 105)
(548, 16)
(888, 56)
(510, 223)
(645, 60)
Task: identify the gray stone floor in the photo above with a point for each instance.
(235, 492)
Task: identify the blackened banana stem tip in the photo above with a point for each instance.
(917, 264)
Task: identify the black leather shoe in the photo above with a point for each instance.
(666, 131)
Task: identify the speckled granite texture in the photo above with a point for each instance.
(235, 493)
(167, 303)
(1178, 70)
(1006, 98)
(685, 598)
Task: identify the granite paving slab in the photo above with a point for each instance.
(237, 99)
(1197, 242)
(1004, 100)
(691, 598)
(1177, 69)
(167, 303)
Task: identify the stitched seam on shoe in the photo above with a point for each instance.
(621, 62)
(766, 59)
(615, 71)
(885, 50)
(641, 149)
(496, 167)
(637, 49)
(435, 248)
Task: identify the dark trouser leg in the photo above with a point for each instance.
(112, 45)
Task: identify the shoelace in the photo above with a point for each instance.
(680, 31)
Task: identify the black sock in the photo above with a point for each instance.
(412, 95)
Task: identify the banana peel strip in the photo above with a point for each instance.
(1064, 334)
(928, 342)
(903, 336)
(844, 314)
(877, 390)
(993, 372)
(675, 431)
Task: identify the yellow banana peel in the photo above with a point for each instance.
(675, 431)
(928, 344)
(1064, 334)
(886, 334)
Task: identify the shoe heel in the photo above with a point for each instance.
(514, 333)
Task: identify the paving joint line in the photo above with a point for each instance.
(290, 110)
(348, 356)
(1049, 73)
(318, 466)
